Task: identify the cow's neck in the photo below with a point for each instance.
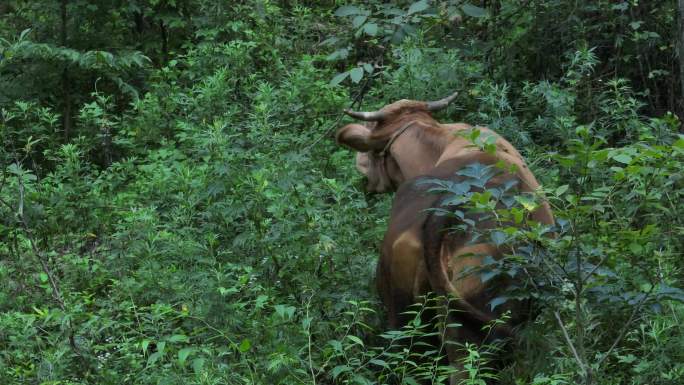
(416, 153)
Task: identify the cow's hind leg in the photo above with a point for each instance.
(407, 254)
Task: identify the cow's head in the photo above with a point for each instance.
(377, 139)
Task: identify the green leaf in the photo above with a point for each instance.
(24, 33)
(355, 339)
(284, 311)
(636, 248)
(371, 29)
(359, 20)
(339, 78)
(356, 74)
(409, 29)
(183, 355)
(498, 238)
(178, 338)
(359, 379)
(378, 362)
(15, 169)
(154, 357)
(636, 24)
(487, 275)
(497, 301)
(106, 57)
(43, 277)
(560, 190)
(623, 6)
(480, 173)
(473, 11)
(368, 67)
(245, 345)
(669, 292)
(628, 359)
(30, 177)
(337, 345)
(198, 365)
(161, 346)
(679, 143)
(527, 202)
(260, 301)
(337, 370)
(348, 10)
(341, 53)
(517, 215)
(622, 158)
(144, 344)
(418, 6)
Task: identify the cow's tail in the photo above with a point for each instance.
(435, 230)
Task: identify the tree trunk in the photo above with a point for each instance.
(165, 42)
(680, 39)
(66, 92)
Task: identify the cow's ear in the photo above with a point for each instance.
(357, 137)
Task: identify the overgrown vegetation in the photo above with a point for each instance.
(173, 208)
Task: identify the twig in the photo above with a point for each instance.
(623, 332)
(2, 183)
(356, 100)
(326, 133)
(596, 267)
(220, 333)
(570, 344)
(308, 334)
(54, 286)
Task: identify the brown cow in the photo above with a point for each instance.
(398, 147)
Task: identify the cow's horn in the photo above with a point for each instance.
(367, 116)
(442, 103)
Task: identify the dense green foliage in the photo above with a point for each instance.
(173, 208)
